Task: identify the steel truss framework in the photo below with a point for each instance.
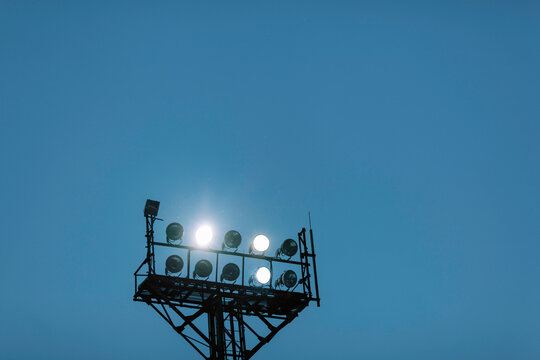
(239, 319)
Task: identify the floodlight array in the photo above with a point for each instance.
(230, 272)
(193, 280)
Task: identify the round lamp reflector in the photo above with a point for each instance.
(288, 278)
(261, 243)
(289, 247)
(263, 275)
(203, 268)
(174, 264)
(174, 231)
(232, 239)
(230, 272)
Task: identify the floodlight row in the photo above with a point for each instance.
(231, 240)
(230, 272)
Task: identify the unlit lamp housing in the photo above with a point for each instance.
(230, 272)
(287, 249)
(174, 264)
(287, 279)
(174, 232)
(232, 239)
(203, 269)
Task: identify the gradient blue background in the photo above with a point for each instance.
(411, 132)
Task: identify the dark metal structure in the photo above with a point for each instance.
(224, 320)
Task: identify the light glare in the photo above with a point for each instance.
(261, 243)
(204, 235)
(263, 275)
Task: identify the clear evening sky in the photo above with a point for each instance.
(410, 130)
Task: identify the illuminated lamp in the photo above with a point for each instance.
(261, 277)
(204, 235)
(260, 243)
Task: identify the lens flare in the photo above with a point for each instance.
(204, 235)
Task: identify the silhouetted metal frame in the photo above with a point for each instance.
(225, 304)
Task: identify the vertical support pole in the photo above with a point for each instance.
(153, 253)
(240, 340)
(241, 334)
(150, 243)
(307, 262)
(314, 268)
(217, 265)
(188, 262)
(243, 274)
(271, 273)
(301, 244)
(221, 344)
(233, 334)
(212, 332)
(304, 259)
(216, 329)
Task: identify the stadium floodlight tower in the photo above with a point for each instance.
(244, 308)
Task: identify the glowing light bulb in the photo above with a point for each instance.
(204, 235)
(261, 243)
(263, 275)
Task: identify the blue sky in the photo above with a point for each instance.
(410, 131)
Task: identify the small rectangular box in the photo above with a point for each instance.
(151, 208)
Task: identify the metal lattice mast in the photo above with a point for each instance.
(233, 312)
